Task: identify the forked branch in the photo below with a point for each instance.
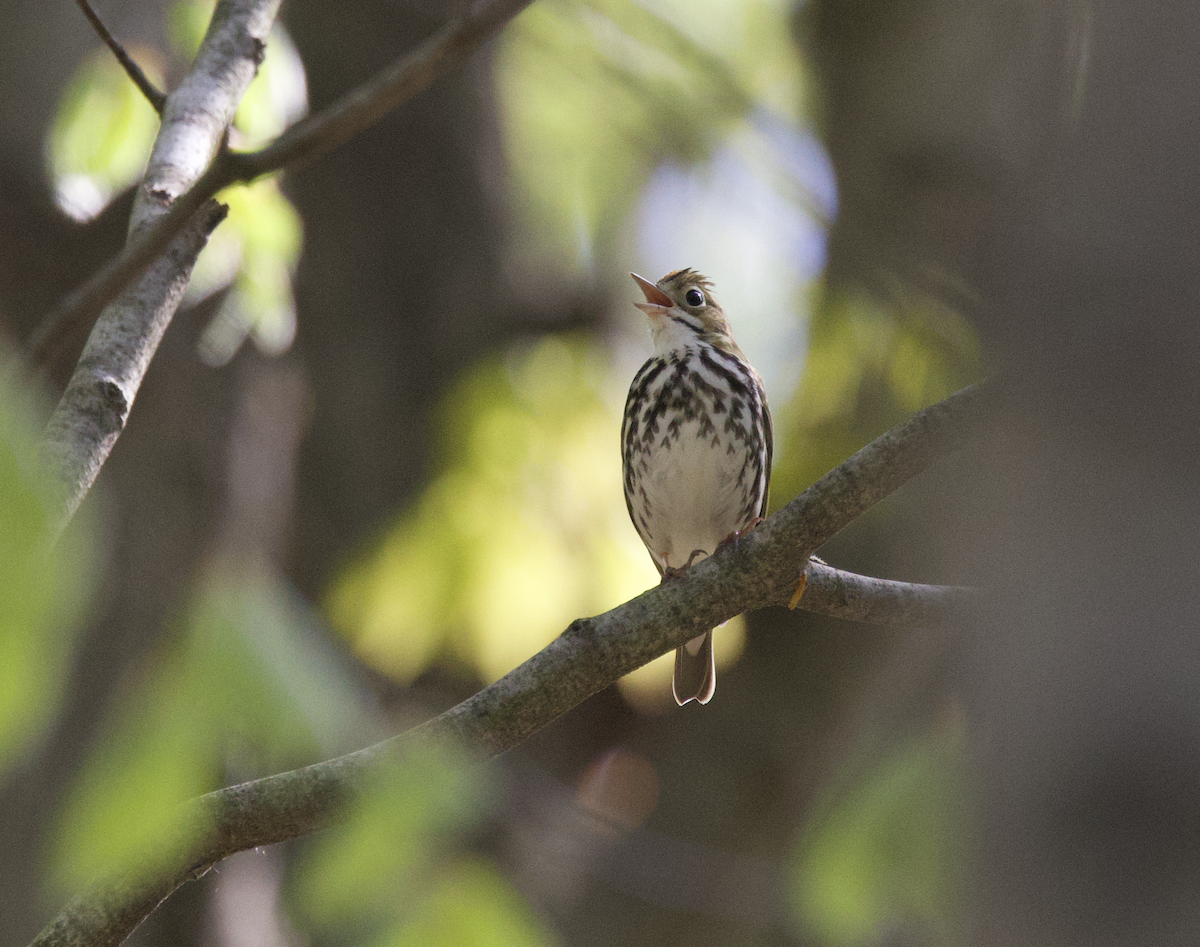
(313, 136)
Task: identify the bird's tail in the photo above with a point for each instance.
(695, 672)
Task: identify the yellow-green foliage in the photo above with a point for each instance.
(522, 529)
(245, 688)
(42, 586)
(596, 94)
(883, 853)
(98, 146)
(101, 135)
(870, 365)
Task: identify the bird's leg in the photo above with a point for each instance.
(739, 533)
(671, 572)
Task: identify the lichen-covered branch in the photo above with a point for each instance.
(92, 412)
(589, 656)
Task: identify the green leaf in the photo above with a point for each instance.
(43, 589)
(367, 869)
(277, 96)
(471, 905)
(528, 487)
(101, 134)
(871, 363)
(886, 852)
(248, 684)
(121, 814)
(255, 253)
(275, 693)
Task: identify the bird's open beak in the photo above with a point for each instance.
(657, 302)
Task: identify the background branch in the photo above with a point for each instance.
(153, 94)
(92, 411)
(589, 656)
(315, 135)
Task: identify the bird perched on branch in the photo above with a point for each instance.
(695, 445)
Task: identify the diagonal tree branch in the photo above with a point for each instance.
(92, 412)
(313, 136)
(589, 656)
(153, 94)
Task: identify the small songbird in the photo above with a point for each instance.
(695, 445)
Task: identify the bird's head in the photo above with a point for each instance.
(680, 303)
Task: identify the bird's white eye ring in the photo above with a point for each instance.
(693, 297)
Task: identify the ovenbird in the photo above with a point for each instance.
(695, 445)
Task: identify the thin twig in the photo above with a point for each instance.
(313, 136)
(590, 655)
(154, 96)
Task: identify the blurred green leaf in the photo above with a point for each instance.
(885, 853)
(471, 905)
(120, 815)
(277, 96)
(596, 94)
(870, 365)
(102, 132)
(374, 865)
(523, 529)
(255, 253)
(248, 686)
(275, 691)
(43, 588)
(98, 146)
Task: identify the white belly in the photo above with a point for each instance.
(693, 500)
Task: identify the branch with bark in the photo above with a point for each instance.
(588, 656)
(174, 212)
(311, 137)
(92, 412)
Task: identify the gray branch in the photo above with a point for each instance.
(862, 598)
(93, 410)
(589, 656)
(315, 135)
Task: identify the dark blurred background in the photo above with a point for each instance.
(374, 465)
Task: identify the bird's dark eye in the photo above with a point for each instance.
(694, 297)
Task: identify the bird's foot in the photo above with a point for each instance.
(673, 572)
(737, 534)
